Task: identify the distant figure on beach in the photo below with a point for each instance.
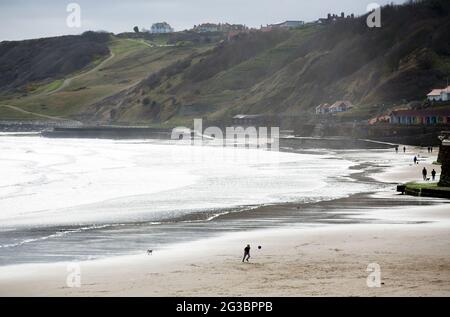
(396, 149)
(433, 174)
(246, 253)
(415, 159)
(424, 174)
(431, 149)
(404, 149)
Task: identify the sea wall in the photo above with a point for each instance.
(108, 133)
(418, 135)
(444, 156)
(35, 125)
(332, 143)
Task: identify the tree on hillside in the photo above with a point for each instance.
(136, 29)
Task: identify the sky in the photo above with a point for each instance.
(26, 19)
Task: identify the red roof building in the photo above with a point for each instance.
(439, 94)
(323, 108)
(341, 106)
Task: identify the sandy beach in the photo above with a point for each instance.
(414, 261)
(411, 245)
(176, 151)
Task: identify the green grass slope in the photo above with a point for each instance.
(293, 71)
(23, 64)
(279, 72)
(129, 62)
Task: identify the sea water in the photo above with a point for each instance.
(70, 199)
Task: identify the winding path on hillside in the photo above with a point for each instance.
(145, 43)
(37, 114)
(64, 85)
(69, 80)
(152, 45)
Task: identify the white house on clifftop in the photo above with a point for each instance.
(161, 27)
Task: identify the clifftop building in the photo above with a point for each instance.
(161, 27)
(221, 27)
(424, 116)
(283, 25)
(331, 18)
(206, 27)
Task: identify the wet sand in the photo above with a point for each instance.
(414, 260)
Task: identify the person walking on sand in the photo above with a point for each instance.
(404, 149)
(415, 160)
(396, 149)
(424, 174)
(433, 174)
(246, 253)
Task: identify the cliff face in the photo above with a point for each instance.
(293, 71)
(285, 72)
(444, 156)
(23, 63)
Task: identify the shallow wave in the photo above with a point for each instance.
(102, 181)
(57, 234)
(105, 197)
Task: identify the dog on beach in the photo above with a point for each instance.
(149, 252)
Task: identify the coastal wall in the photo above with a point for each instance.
(418, 135)
(34, 125)
(108, 133)
(332, 143)
(444, 155)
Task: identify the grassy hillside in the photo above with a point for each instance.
(24, 63)
(293, 71)
(129, 62)
(277, 72)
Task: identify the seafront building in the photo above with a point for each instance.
(323, 108)
(439, 94)
(341, 106)
(337, 107)
(421, 116)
